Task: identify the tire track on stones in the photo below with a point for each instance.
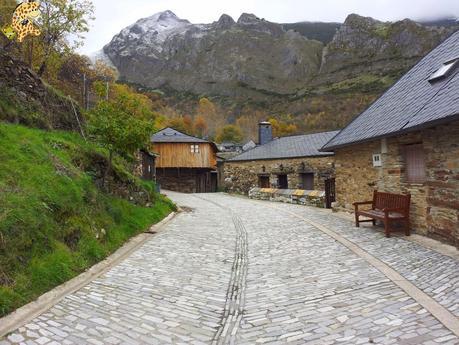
(235, 296)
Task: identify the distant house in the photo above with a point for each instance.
(147, 166)
(230, 147)
(284, 163)
(185, 164)
(408, 142)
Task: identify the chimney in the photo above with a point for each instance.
(265, 133)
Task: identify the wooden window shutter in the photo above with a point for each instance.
(415, 164)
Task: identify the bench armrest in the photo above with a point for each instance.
(357, 204)
(362, 203)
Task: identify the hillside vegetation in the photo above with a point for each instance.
(54, 220)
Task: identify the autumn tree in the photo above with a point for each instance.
(115, 129)
(200, 126)
(209, 112)
(282, 129)
(133, 102)
(61, 20)
(248, 122)
(230, 133)
(178, 124)
(188, 123)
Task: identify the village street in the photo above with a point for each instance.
(229, 270)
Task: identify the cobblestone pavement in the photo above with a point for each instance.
(235, 271)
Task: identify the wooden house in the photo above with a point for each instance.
(407, 142)
(184, 163)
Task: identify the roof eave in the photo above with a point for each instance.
(420, 127)
(325, 154)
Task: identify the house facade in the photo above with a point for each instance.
(184, 163)
(408, 142)
(283, 163)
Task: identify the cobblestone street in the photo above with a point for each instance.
(229, 270)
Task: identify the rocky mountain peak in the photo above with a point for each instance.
(355, 20)
(255, 57)
(252, 22)
(225, 22)
(166, 15)
(248, 19)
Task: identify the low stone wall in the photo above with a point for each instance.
(290, 196)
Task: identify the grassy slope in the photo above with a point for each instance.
(54, 222)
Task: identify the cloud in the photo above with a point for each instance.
(112, 16)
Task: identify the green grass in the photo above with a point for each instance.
(54, 222)
(365, 83)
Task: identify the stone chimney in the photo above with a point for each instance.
(265, 133)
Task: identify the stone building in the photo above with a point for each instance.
(284, 163)
(408, 142)
(184, 163)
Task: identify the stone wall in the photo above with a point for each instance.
(289, 196)
(33, 103)
(435, 203)
(241, 177)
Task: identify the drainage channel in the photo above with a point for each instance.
(235, 296)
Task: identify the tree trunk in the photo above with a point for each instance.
(108, 171)
(42, 69)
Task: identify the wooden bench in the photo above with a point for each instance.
(388, 208)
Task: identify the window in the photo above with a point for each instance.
(282, 181)
(377, 160)
(444, 71)
(194, 148)
(307, 180)
(415, 167)
(263, 181)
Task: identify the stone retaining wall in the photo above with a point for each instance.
(291, 196)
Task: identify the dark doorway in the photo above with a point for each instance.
(330, 192)
(263, 182)
(148, 166)
(307, 180)
(282, 181)
(214, 182)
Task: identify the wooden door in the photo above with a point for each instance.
(307, 180)
(330, 192)
(263, 182)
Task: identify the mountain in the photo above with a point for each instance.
(255, 58)
(226, 57)
(364, 45)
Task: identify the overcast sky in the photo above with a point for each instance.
(114, 15)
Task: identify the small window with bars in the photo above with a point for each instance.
(194, 148)
(415, 167)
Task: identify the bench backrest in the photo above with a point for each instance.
(383, 200)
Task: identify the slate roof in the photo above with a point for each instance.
(412, 103)
(170, 135)
(289, 147)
